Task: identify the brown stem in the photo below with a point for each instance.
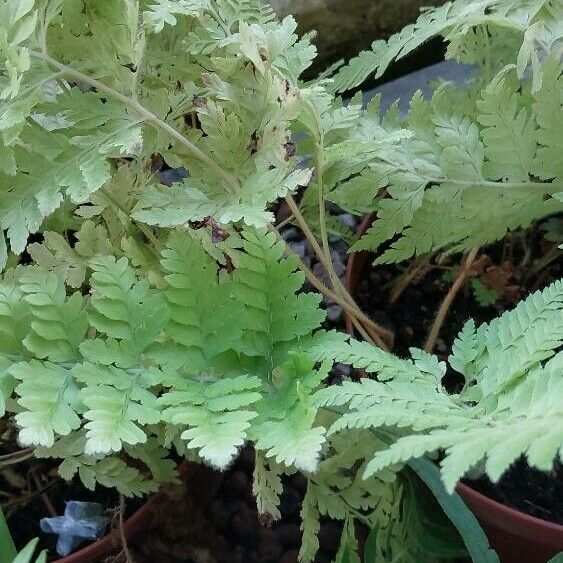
(448, 300)
(378, 333)
(15, 457)
(44, 496)
(406, 279)
(353, 311)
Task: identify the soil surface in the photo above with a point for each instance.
(212, 518)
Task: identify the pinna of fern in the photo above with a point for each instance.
(510, 406)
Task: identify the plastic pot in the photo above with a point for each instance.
(517, 537)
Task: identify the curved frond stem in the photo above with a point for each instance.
(377, 333)
(449, 299)
(370, 327)
(230, 181)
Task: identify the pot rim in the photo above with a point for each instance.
(510, 519)
(485, 507)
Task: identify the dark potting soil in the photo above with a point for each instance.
(212, 518)
(537, 493)
(515, 267)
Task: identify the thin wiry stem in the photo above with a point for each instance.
(449, 299)
(378, 333)
(352, 310)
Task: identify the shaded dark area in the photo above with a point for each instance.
(212, 518)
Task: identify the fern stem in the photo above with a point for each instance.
(122, 537)
(16, 457)
(352, 310)
(548, 186)
(319, 170)
(448, 300)
(377, 333)
(231, 182)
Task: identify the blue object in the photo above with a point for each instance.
(172, 175)
(81, 521)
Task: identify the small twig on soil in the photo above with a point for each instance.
(406, 279)
(15, 457)
(543, 262)
(124, 545)
(27, 498)
(370, 327)
(449, 299)
(44, 496)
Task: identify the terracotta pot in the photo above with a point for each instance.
(132, 527)
(517, 537)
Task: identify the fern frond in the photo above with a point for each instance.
(49, 396)
(266, 286)
(452, 20)
(520, 339)
(119, 404)
(14, 317)
(214, 416)
(547, 100)
(124, 310)
(510, 406)
(286, 428)
(362, 355)
(165, 11)
(110, 472)
(508, 132)
(204, 317)
(71, 263)
(58, 323)
(267, 486)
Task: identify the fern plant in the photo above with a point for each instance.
(140, 317)
(476, 160)
(510, 405)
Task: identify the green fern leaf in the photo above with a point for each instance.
(49, 397)
(58, 323)
(214, 417)
(508, 132)
(266, 286)
(267, 487)
(285, 429)
(204, 318)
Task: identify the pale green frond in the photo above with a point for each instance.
(204, 316)
(48, 395)
(286, 428)
(71, 262)
(15, 316)
(119, 404)
(266, 285)
(267, 486)
(508, 132)
(547, 108)
(164, 12)
(124, 309)
(58, 323)
(214, 417)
